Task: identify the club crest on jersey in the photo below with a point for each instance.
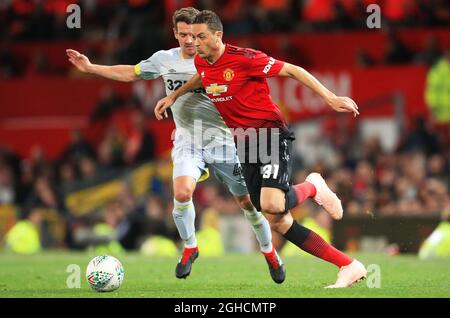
(228, 74)
(216, 90)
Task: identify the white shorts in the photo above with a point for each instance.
(190, 160)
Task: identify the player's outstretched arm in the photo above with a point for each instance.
(164, 103)
(123, 73)
(338, 103)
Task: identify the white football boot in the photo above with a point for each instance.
(350, 274)
(325, 197)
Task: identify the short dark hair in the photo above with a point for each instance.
(209, 18)
(186, 15)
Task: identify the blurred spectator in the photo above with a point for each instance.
(109, 101)
(66, 175)
(108, 230)
(38, 162)
(9, 65)
(45, 195)
(110, 150)
(431, 54)
(102, 235)
(437, 92)
(318, 11)
(275, 15)
(24, 237)
(363, 58)
(421, 138)
(7, 193)
(437, 245)
(39, 66)
(438, 12)
(342, 17)
(134, 226)
(159, 218)
(436, 168)
(239, 17)
(38, 24)
(396, 51)
(78, 148)
(25, 184)
(434, 196)
(289, 52)
(399, 12)
(88, 168)
(140, 145)
(363, 180)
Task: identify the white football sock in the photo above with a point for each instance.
(184, 217)
(261, 228)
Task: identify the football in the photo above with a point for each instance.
(105, 273)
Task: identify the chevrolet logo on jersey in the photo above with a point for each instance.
(216, 90)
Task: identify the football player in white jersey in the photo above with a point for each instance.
(202, 139)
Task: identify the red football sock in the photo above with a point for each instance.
(304, 191)
(317, 246)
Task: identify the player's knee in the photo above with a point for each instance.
(183, 194)
(245, 202)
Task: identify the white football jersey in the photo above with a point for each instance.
(196, 118)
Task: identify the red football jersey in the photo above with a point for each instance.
(237, 85)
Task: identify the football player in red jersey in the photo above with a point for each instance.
(192, 160)
(235, 80)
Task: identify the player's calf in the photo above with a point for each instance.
(280, 222)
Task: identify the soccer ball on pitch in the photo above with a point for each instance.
(105, 273)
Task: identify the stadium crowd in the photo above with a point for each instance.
(46, 20)
(132, 30)
(413, 179)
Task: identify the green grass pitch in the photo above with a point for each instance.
(234, 276)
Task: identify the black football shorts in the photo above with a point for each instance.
(267, 163)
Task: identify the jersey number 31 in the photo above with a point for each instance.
(270, 170)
